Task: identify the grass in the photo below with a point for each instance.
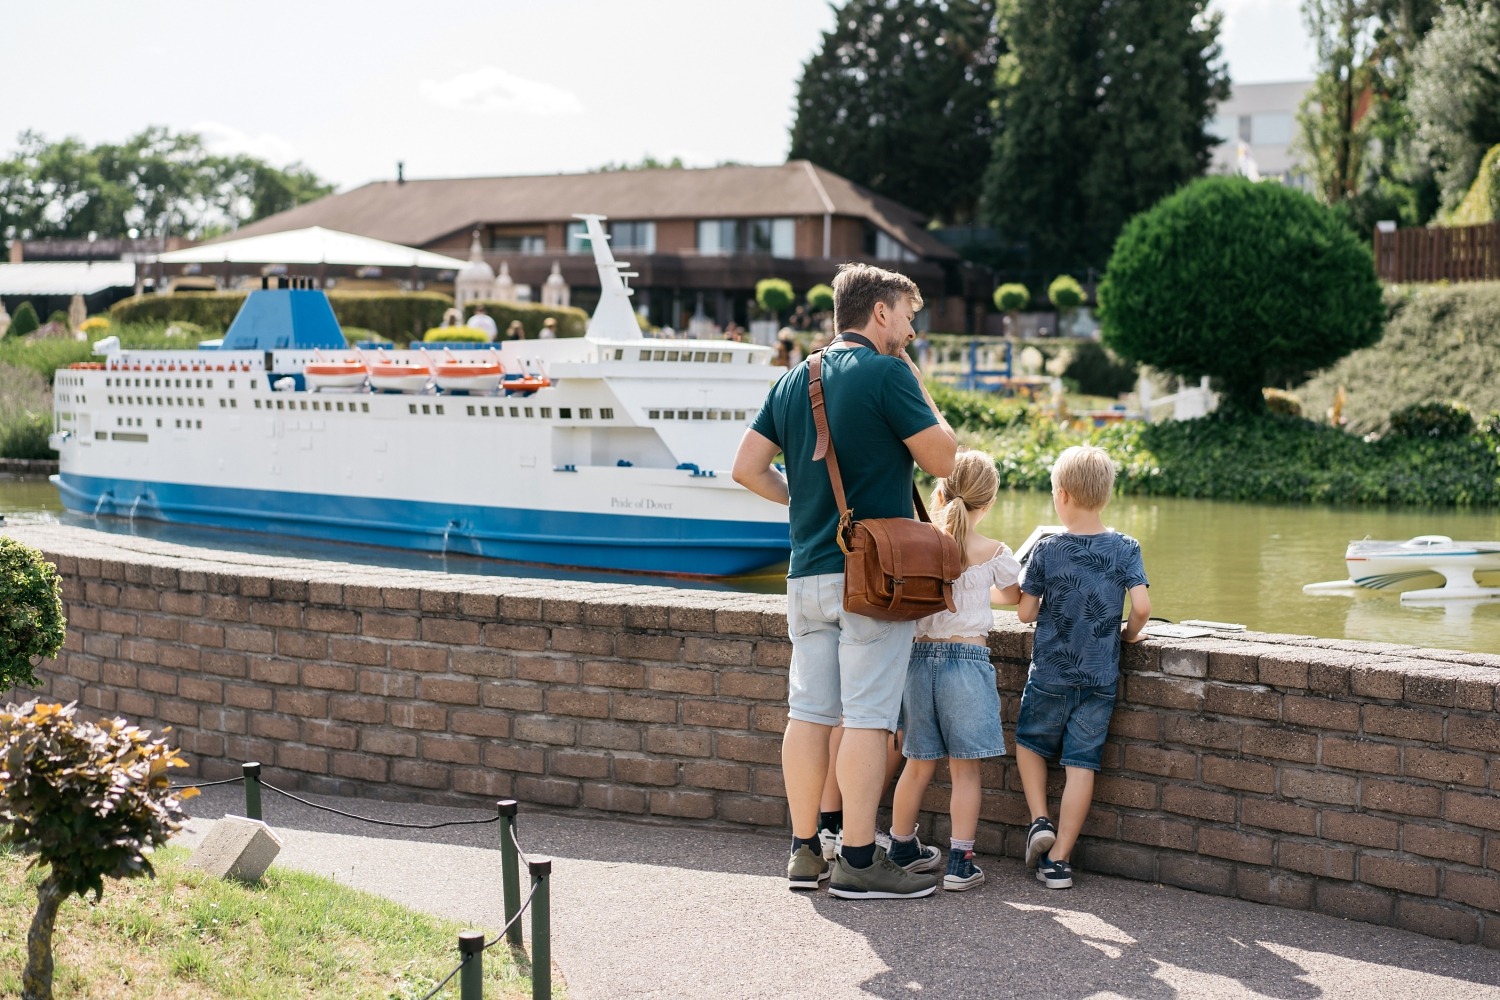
(186, 935)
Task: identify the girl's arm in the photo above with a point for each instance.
(1005, 595)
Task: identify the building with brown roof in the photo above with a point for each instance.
(698, 240)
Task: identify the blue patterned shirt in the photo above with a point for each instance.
(1082, 581)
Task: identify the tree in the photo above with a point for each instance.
(155, 182)
(1455, 95)
(1336, 115)
(86, 801)
(1011, 299)
(1102, 110)
(647, 162)
(898, 99)
(32, 626)
(1067, 295)
(1253, 284)
(774, 295)
(24, 321)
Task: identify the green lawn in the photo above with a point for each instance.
(184, 935)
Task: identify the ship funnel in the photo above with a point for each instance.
(613, 318)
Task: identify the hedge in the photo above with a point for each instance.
(399, 316)
(571, 322)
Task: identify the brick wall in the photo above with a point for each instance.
(1357, 779)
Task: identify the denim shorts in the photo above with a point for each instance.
(951, 707)
(844, 666)
(1060, 721)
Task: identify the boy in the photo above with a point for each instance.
(1073, 588)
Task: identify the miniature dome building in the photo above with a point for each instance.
(504, 289)
(555, 290)
(474, 281)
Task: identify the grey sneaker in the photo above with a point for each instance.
(882, 880)
(914, 856)
(805, 869)
(1039, 840)
(962, 872)
(831, 842)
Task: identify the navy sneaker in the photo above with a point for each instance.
(963, 873)
(914, 856)
(1039, 840)
(1055, 874)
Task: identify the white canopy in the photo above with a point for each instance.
(312, 246)
(65, 277)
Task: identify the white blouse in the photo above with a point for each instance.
(971, 598)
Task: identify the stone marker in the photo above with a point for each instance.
(237, 848)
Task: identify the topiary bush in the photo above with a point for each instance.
(1012, 297)
(1432, 420)
(32, 626)
(1065, 292)
(24, 321)
(1252, 284)
(820, 298)
(774, 295)
(87, 801)
(456, 334)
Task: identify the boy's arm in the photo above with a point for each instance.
(1027, 606)
(1005, 595)
(1140, 613)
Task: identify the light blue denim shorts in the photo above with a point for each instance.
(844, 666)
(951, 707)
(1061, 721)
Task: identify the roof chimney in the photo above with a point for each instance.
(400, 172)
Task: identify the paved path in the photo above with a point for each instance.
(657, 911)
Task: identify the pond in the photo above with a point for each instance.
(1206, 559)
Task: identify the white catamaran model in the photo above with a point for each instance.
(610, 451)
(1380, 565)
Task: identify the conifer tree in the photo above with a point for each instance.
(898, 99)
(1102, 110)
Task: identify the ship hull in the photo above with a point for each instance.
(586, 539)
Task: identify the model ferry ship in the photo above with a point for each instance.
(610, 451)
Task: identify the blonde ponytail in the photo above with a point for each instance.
(971, 486)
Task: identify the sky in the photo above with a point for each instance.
(456, 89)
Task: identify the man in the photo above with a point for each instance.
(484, 323)
(846, 666)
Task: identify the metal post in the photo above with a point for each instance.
(541, 929)
(251, 772)
(471, 973)
(510, 875)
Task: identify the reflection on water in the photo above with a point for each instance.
(1218, 561)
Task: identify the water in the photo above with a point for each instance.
(1206, 559)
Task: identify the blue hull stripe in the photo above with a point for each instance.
(697, 547)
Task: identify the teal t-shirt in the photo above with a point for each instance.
(874, 404)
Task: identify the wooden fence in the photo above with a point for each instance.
(1453, 253)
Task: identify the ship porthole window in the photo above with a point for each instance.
(585, 413)
(426, 408)
(565, 413)
(606, 413)
(411, 407)
(484, 411)
(529, 413)
(364, 407)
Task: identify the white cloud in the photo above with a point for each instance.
(226, 139)
(491, 88)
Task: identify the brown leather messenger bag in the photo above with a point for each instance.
(895, 568)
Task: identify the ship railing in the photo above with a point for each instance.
(471, 943)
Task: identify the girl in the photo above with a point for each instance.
(951, 706)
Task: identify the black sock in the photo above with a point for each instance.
(812, 843)
(831, 821)
(859, 857)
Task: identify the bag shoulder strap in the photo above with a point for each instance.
(824, 449)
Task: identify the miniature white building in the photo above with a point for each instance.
(474, 281)
(555, 291)
(503, 289)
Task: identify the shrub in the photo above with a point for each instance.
(24, 321)
(32, 626)
(820, 298)
(456, 334)
(1253, 284)
(399, 316)
(571, 322)
(1432, 420)
(213, 310)
(1012, 298)
(25, 414)
(85, 800)
(1065, 292)
(1098, 372)
(774, 295)
(1482, 203)
(1282, 403)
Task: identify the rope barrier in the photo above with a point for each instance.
(209, 784)
(381, 822)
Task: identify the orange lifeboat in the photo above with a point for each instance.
(390, 374)
(334, 373)
(480, 374)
